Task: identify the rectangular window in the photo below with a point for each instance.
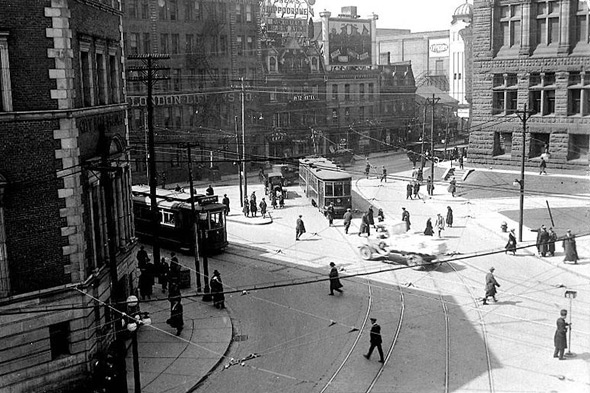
(101, 76)
(510, 19)
(502, 143)
(163, 14)
(582, 21)
(577, 146)
(145, 9)
(177, 79)
(371, 91)
(147, 43)
(239, 17)
(223, 44)
(133, 43)
(86, 79)
(249, 13)
(504, 94)
(250, 46)
(334, 92)
(542, 93)
(547, 22)
(240, 45)
(362, 113)
(59, 339)
(132, 8)
(189, 42)
(175, 44)
(164, 44)
(362, 91)
(173, 9)
(347, 92)
(5, 85)
(114, 79)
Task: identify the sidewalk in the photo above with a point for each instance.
(174, 364)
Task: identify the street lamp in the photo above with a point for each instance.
(136, 318)
(570, 295)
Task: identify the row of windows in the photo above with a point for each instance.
(298, 63)
(544, 23)
(136, 43)
(541, 93)
(362, 113)
(187, 10)
(348, 93)
(539, 143)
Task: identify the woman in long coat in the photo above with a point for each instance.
(335, 283)
(491, 285)
(449, 217)
(176, 319)
(246, 208)
(569, 246)
(429, 231)
(453, 186)
(216, 286)
(511, 245)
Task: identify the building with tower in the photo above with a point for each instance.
(534, 55)
(460, 58)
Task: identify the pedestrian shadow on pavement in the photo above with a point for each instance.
(450, 267)
(507, 302)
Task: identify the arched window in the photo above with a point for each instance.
(272, 66)
(314, 64)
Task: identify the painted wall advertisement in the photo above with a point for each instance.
(287, 8)
(350, 42)
(438, 47)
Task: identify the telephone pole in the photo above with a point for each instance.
(523, 116)
(244, 141)
(148, 73)
(433, 103)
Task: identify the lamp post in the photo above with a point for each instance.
(136, 318)
(570, 295)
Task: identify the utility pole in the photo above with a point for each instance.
(422, 160)
(239, 160)
(244, 142)
(149, 75)
(523, 116)
(194, 217)
(433, 102)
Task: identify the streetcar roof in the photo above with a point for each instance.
(324, 169)
(142, 192)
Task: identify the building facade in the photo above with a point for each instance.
(460, 58)
(213, 45)
(534, 55)
(66, 230)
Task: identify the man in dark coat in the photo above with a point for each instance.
(263, 207)
(216, 286)
(560, 339)
(542, 241)
(335, 283)
(429, 230)
(417, 190)
(174, 274)
(491, 285)
(370, 216)
(146, 281)
(375, 340)
(209, 190)
(449, 217)
(347, 220)
(225, 201)
(365, 225)
(253, 207)
(430, 186)
(569, 246)
(142, 257)
(330, 213)
(299, 228)
(551, 241)
(176, 319)
(409, 191)
(406, 218)
(511, 245)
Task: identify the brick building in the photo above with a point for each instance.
(65, 208)
(212, 45)
(534, 53)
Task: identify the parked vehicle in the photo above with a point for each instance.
(290, 172)
(274, 183)
(341, 157)
(391, 243)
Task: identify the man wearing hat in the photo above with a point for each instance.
(560, 339)
(511, 245)
(299, 227)
(569, 247)
(335, 283)
(543, 241)
(347, 219)
(375, 340)
(491, 285)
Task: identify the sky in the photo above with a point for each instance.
(416, 15)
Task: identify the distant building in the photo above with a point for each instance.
(534, 54)
(65, 206)
(460, 58)
(212, 46)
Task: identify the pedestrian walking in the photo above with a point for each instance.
(453, 186)
(216, 287)
(383, 174)
(365, 225)
(209, 190)
(560, 338)
(281, 200)
(146, 282)
(430, 186)
(370, 217)
(542, 241)
(367, 168)
(414, 173)
(246, 208)
(420, 175)
(428, 231)
(461, 161)
(511, 245)
(273, 200)
(406, 218)
(263, 207)
(176, 319)
(491, 285)
(174, 293)
(299, 228)
(174, 274)
(551, 241)
(543, 167)
(335, 284)
(142, 257)
(225, 201)
(449, 217)
(439, 223)
(347, 220)
(569, 247)
(164, 271)
(330, 213)
(380, 215)
(375, 340)
(409, 190)
(417, 189)
(253, 207)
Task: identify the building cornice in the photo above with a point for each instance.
(59, 113)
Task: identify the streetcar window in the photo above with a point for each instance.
(338, 189)
(216, 220)
(167, 218)
(329, 189)
(346, 189)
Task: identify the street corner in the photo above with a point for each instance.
(249, 220)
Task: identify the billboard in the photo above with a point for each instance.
(350, 41)
(286, 8)
(287, 26)
(438, 47)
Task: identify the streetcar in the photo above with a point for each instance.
(324, 183)
(176, 226)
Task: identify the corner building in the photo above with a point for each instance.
(534, 53)
(66, 230)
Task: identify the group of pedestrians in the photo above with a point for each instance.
(546, 240)
(413, 190)
(440, 223)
